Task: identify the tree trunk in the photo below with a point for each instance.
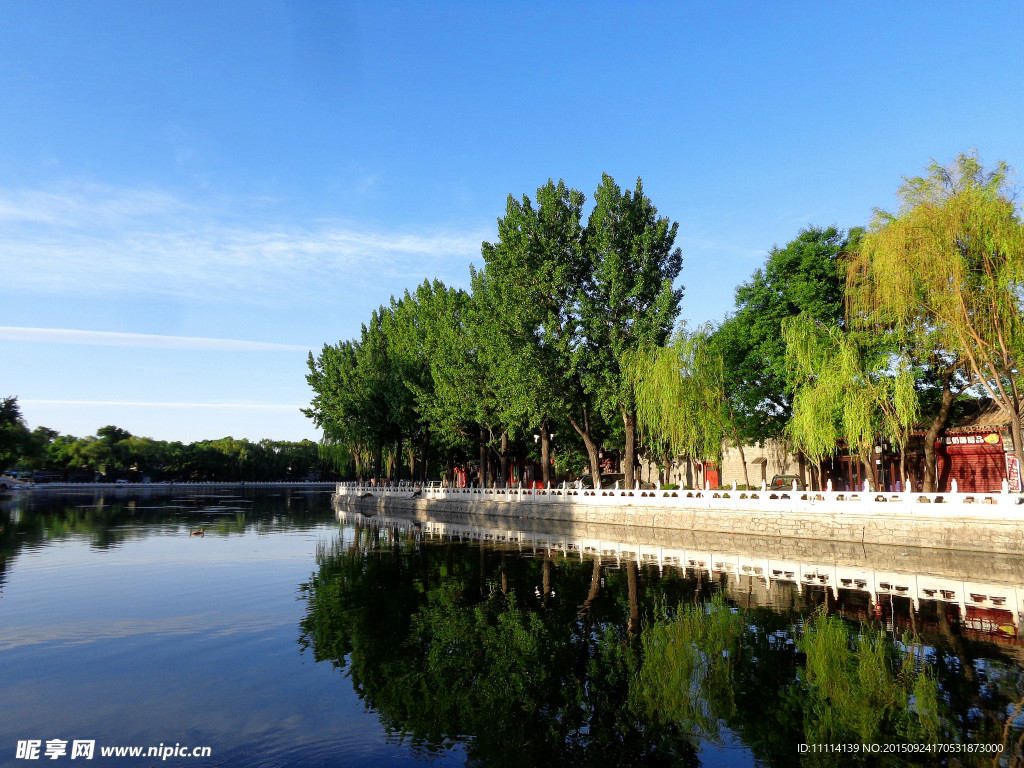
(743, 458)
(378, 463)
(629, 462)
(931, 475)
(482, 472)
(424, 452)
(1018, 439)
(903, 467)
(503, 471)
(357, 458)
(738, 441)
(591, 446)
(869, 467)
(545, 454)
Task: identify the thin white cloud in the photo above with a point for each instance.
(152, 341)
(89, 237)
(140, 404)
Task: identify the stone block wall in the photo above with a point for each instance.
(938, 531)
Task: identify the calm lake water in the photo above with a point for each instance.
(287, 635)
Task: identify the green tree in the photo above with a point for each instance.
(114, 439)
(849, 387)
(353, 387)
(15, 437)
(682, 404)
(946, 272)
(631, 301)
(805, 277)
(531, 334)
(433, 357)
(337, 405)
(37, 448)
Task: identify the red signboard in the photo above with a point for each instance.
(1013, 472)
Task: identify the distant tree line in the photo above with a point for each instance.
(114, 453)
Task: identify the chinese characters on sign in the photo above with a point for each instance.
(991, 439)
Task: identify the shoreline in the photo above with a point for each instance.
(43, 487)
(984, 523)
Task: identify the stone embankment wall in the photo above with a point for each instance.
(945, 563)
(985, 525)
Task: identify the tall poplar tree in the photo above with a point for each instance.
(530, 298)
(632, 301)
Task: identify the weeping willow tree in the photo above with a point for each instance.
(851, 388)
(682, 408)
(864, 686)
(344, 458)
(947, 272)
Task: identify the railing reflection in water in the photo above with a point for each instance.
(954, 589)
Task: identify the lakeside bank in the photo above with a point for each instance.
(975, 522)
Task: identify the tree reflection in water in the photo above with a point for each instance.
(541, 660)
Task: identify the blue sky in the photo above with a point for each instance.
(195, 194)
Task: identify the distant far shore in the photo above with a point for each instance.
(37, 487)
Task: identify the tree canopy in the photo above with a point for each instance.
(14, 434)
(807, 277)
(537, 347)
(842, 338)
(945, 274)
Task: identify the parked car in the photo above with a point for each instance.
(785, 483)
(609, 480)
